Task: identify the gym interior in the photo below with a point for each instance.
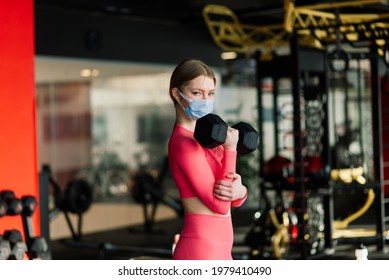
(86, 117)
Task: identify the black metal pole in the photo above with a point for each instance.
(377, 146)
(298, 144)
(44, 209)
(261, 160)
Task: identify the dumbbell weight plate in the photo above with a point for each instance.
(29, 205)
(78, 196)
(248, 138)
(5, 249)
(18, 250)
(18, 247)
(38, 248)
(14, 205)
(210, 131)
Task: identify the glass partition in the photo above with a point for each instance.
(102, 121)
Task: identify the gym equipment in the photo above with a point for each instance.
(317, 174)
(18, 247)
(5, 249)
(360, 167)
(37, 246)
(348, 175)
(271, 233)
(211, 131)
(108, 175)
(345, 222)
(77, 199)
(295, 162)
(77, 196)
(148, 189)
(278, 169)
(14, 205)
(385, 78)
(82, 204)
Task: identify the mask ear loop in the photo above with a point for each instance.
(176, 96)
(180, 96)
(175, 93)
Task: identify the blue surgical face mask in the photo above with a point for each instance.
(197, 108)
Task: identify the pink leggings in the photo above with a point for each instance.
(205, 237)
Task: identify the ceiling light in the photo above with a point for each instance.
(95, 72)
(85, 72)
(89, 72)
(229, 55)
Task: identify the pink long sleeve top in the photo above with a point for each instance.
(196, 169)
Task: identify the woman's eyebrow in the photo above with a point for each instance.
(199, 89)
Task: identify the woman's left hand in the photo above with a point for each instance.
(230, 190)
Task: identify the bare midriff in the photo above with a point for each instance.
(193, 205)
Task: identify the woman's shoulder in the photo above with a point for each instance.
(183, 139)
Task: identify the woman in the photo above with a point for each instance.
(205, 178)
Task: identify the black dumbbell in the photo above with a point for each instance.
(14, 205)
(5, 248)
(18, 247)
(211, 131)
(37, 247)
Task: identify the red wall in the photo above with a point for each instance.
(18, 156)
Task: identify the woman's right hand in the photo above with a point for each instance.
(230, 190)
(231, 139)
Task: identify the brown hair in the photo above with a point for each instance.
(187, 70)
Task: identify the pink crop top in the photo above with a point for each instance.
(196, 169)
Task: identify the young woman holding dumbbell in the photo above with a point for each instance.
(206, 179)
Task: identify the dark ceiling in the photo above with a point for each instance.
(189, 12)
(147, 30)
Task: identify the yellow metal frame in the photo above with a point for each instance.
(324, 24)
(344, 223)
(312, 24)
(280, 238)
(230, 35)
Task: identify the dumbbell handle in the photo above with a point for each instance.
(28, 228)
(29, 205)
(37, 247)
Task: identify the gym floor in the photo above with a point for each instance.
(136, 243)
